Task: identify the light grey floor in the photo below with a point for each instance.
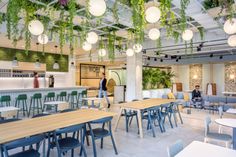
(130, 145)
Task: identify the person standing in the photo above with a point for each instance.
(36, 81)
(51, 81)
(103, 89)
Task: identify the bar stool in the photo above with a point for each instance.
(50, 97)
(21, 102)
(73, 99)
(62, 96)
(5, 99)
(36, 103)
(82, 95)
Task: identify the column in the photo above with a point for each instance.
(134, 77)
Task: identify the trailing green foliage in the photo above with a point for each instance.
(156, 78)
(111, 47)
(183, 18)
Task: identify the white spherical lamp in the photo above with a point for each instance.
(137, 48)
(152, 14)
(43, 39)
(86, 46)
(232, 41)
(129, 52)
(97, 7)
(230, 26)
(92, 37)
(154, 34)
(36, 27)
(102, 52)
(187, 35)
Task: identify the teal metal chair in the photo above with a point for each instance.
(51, 96)
(66, 139)
(175, 148)
(21, 103)
(36, 104)
(73, 99)
(5, 100)
(24, 142)
(81, 95)
(214, 136)
(62, 96)
(100, 133)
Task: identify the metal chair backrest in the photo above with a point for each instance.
(67, 110)
(9, 120)
(70, 129)
(207, 125)
(27, 141)
(41, 115)
(22, 97)
(175, 148)
(5, 98)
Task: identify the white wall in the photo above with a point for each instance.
(219, 77)
(182, 76)
(206, 76)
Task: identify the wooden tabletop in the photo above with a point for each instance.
(144, 104)
(200, 149)
(20, 129)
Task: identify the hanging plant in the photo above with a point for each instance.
(72, 12)
(62, 29)
(13, 9)
(159, 45)
(176, 36)
(183, 17)
(115, 11)
(111, 46)
(201, 32)
(191, 46)
(138, 19)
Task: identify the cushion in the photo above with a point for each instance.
(171, 96)
(180, 95)
(186, 96)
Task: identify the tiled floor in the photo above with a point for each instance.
(130, 145)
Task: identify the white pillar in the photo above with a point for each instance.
(134, 77)
(71, 78)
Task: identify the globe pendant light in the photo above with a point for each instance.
(15, 62)
(232, 41)
(36, 27)
(154, 34)
(87, 46)
(92, 37)
(129, 52)
(43, 39)
(56, 65)
(97, 7)
(37, 64)
(102, 52)
(152, 14)
(137, 48)
(230, 26)
(187, 35)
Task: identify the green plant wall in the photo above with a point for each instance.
(7, 54)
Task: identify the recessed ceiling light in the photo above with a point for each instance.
(161, 60)
(177, 60)
(166, 56)
(155, 59)
(221, 57)
(211, 55)
(148, 58)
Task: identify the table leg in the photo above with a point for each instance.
(140, 124)
(118, 118)
(234, 138)
(92, 103)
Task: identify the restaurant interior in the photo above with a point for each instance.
(118, 78)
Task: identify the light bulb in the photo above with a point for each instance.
(232, 41)
(187, 35)
(43, 39)
(92, 37)
(129, 52)
(154, 34)
(97, 7)
(230, 26)
(87, 46)
(152, 14)
(102, 52)
(35, 27)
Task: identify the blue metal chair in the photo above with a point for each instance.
(28, 141)
(100, 133)
(68, 142)
(175, 148)
(174, 111)
(67, 110)
(40, 115)
(153, 115)
(165, 111)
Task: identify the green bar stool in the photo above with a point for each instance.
(50, 97)
(5, 99)
(82, 95)
(21, 102)
(36, 104)
(62, 96)
(73, 99)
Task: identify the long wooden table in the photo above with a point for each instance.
(24, 128)
(139, 106)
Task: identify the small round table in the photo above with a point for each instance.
(229, 122)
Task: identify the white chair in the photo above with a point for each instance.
(213, 136)
(175, 148)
